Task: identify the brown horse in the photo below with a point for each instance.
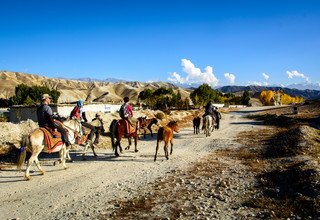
(118, 131)
(166, 134)
(147, 124)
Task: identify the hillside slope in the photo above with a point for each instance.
(72, 90)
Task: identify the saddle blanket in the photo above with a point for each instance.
(52, 140)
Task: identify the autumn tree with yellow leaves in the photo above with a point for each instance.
(267, 98)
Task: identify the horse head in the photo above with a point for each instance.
(142, 121)
(174, 126)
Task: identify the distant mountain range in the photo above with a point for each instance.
(256, 90)
(113, 90)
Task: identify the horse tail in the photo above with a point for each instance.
(113, 130)
(161, 133)
(22, 151)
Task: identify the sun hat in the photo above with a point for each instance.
(45, 96)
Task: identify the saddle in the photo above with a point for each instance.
(80, 139)
(129, 128)
(52, 139)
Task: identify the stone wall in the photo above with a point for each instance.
(21, 113)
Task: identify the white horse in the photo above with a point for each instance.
(207, 125)
(35, 143)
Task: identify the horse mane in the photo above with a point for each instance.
(171, 124)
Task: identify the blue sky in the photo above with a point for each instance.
(219, 42)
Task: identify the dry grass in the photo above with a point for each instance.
(289, 182)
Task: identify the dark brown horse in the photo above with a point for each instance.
(147, 124)
(118, 130)
(196, 124)
(166, 134)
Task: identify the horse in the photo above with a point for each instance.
(166, 134)
(117, 131)
(196, 124)
(208, 125)
(89, 143)
(146, 124)
(35, 143)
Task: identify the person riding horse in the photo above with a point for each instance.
(210, 110)
(126, 113)
(79, 113)
(218, 117)
(45, 120)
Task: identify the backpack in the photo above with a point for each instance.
(121, 111)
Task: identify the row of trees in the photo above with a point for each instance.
(163, 98)
(204, 93)
(29, 95)
(269, 97)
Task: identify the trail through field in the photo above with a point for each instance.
(85, 188)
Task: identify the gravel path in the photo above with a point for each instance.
(85, 188)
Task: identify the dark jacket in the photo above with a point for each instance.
(44, 115)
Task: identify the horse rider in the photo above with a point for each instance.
(209, 110)
(44, 115)
(79, 113)
(125, 112)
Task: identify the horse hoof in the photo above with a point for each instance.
(42, 173)
(95, 155)
(65, 168)
(69, 161)
(54, 163)
(136, 151)
(27, 178)
(117, 155)
(83, 158)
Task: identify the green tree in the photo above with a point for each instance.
(245, 98)
(26, 95)
(205, 94)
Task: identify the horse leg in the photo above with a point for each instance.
(94, 153)
(36, 160)
(129, 141)
(116, 148)
(63, 156)
(157, 148)
(30, 162)
(89, 142)
(150, 131)
(165, 148)
(136, 143)
(171, 142)
(68, 156)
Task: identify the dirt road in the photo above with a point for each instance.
(85, 188)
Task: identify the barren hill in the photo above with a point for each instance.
(72, 90)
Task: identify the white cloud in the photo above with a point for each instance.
(295, 73)
(265, 76)
(255, 83)
(230, 78)
(194, 75)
